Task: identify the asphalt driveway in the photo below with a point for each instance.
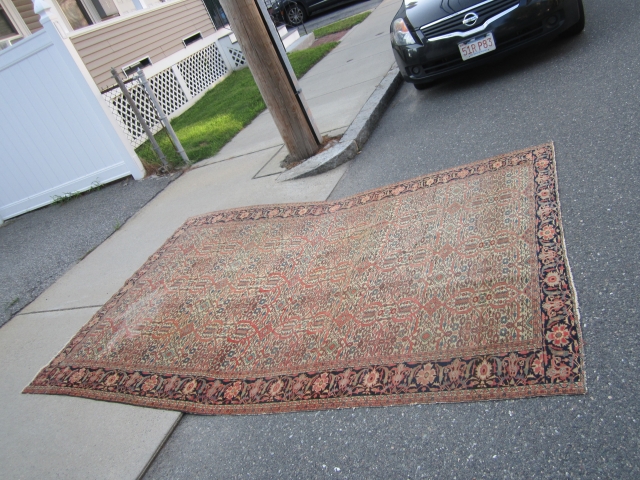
(584, 94)
(336, 14)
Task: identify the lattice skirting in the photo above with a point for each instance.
(198, 71)
(202, 69)
(238, 57)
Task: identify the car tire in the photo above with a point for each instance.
(578, 27)
(295, 15)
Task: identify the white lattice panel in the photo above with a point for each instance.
(238, 57)
(168, 91)
(125, 116)
(169, 94)
(202, 69)
(199, 71)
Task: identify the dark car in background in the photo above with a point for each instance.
(432, 39)
(295, 12)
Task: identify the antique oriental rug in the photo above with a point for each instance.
(450, 287)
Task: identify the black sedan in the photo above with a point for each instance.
(294, 12)
(435, 38)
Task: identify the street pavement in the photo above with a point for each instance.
(582, 93)
(337, 13)
(47, 436)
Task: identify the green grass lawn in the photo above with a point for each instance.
(341, 25)
(221, 113)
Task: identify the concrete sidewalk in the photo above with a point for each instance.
(59, 436)
(336, 89)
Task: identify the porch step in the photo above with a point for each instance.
(290, 38)
(303, 42)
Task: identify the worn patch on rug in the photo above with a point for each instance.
(450, 287)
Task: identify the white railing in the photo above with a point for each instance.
(178, 81)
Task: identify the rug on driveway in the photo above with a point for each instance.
(450, 287)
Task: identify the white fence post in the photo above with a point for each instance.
(226, 57)
(183, 84)
(231, 52)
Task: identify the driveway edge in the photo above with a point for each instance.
(356, 135)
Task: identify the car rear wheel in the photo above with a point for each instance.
(295, 14)
(579, 26)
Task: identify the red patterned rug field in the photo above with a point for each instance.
(449, 287)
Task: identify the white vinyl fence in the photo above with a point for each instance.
(55, 133)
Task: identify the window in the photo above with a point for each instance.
(133, 68)
(218, 17)
(82, 13)
(7, 30)
(76, 13)
(193, 38)
(105, 8)
(12, 26)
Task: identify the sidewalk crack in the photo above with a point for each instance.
(58, 310)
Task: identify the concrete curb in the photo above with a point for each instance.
(356, 135)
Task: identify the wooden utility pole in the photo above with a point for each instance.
(273, 74)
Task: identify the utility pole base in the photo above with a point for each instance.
(269, 69)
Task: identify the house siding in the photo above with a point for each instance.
(156, 34)
(25, 9)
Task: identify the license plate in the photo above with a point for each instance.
(477, 46)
